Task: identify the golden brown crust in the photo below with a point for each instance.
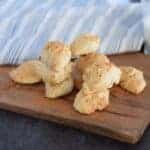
(57, 90)
(56, 55)
(132, 79)
(85, 44)
(102, 75)
(26, 73)
(94, 94)
(56, 77)
(85, 61)
(87, 101)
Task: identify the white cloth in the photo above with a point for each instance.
(146, 21)
(25, 26)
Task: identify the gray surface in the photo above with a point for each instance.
(18, 132)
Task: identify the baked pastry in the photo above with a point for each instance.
(94, 94)
(56, 77)
(83, 62)
(132, 79)
(85, 44)
(56, 55)
(88, 101)
(92, 73)
(26, 73)
(102, 75)
(57, 90)
(58, 81)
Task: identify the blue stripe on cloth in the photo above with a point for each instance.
(27, 25)
(146, 21)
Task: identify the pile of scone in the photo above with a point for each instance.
(62, 67)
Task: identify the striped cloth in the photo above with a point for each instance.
(146, 20)
(26, 25)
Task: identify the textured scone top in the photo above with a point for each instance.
(85, 44)
(56, 54)
(95, 70)
(104, 75)
(89, 59)
(130, 72)
(95, 73)
(26, 73)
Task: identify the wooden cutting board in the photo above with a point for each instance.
(125, 119)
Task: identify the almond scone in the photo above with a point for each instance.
(102, 75)
(56, 55)
(26, 73)
(132, 79)
(88, 101)
(83, 62)
(85, 44)
(56, 77)
(57, 90)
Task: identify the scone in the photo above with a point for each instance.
(56, 77)
(132, 79)
(56, 55)
(85, 44)
(26, 73)
(102, 75)
(58, 82)
(85, 61)
(57, 90)
(94, 94)
(87, 102)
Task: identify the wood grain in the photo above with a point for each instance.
(125, 119)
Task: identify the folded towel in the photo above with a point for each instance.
(27, 25)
